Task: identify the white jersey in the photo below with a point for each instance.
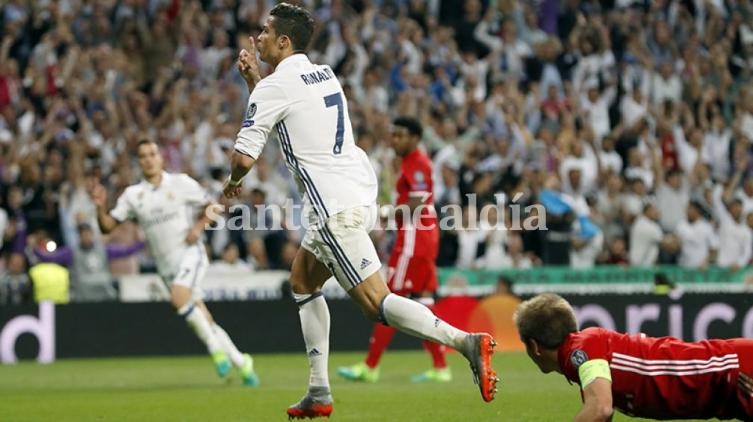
(304, 105)
(166, 213)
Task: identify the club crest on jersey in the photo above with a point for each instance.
(251, 111)
(578, 358)
(419, 176)
(170, 196)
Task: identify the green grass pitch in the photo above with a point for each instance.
(186, 389)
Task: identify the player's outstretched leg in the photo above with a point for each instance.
(315, 323)
(243, 361)
(199, 322)
(368, 371)
(416, 319)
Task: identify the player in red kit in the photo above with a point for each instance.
(412, 270)
(647, 377)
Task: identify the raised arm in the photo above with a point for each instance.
(106, 222)
(62, 256)
(266, 106)
(118, 251)
(248, 66)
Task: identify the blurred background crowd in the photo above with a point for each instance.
(629, 122)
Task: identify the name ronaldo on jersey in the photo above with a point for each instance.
(322, 75)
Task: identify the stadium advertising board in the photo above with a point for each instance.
(151, 328)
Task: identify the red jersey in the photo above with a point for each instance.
(665, 378)
(416, 181)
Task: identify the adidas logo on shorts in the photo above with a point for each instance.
(365, 263)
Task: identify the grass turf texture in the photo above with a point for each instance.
(187, 389)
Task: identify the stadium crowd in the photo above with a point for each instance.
(630, 122)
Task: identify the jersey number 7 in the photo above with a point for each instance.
(337, 100)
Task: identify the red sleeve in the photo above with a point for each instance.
(418, 177)
(579, 348)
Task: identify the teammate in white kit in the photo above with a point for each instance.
(164, 205)
(304, 106)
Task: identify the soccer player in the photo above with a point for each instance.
(164, 206)
(303, 104)
(653, 378)
(412, 271)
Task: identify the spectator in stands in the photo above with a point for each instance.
(230, 261)
(606, 91)
(735, 237)
(585, 247)
(698, 240)
(672, 196)
(647, 238)
(15, 286)
(616, 253)
(89, 261)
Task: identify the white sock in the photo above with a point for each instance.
(201, 326)
(314, 314)
(228, 346)
(416, 319)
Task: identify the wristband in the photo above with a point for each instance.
(232, 183)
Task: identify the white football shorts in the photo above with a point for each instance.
(191, 271)
(344, 246)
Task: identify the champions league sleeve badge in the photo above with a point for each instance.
(578, 358)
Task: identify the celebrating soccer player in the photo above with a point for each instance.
(163, 205)
(303, 104)
(412, 270)
(653, 378)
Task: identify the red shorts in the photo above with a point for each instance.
(411, 275)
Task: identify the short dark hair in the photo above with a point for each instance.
(145, 141)
(413, 125)
(295, 23)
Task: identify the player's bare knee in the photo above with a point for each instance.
(178, 302)
(299, 285)
(179, 296)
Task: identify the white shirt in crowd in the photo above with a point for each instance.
(224, 266)
(687, 155)
(645, 237)
(666, 89)
(494, 255)
(165, 213)
(468, 242)
(598, 111)
(716, 152)
(697, 240)
(631, 110)
(746, 126)
(586, 256)
(747, 200)
(610, 161)
(587, 165)
(735, 237)
(3, 225)
(673, 203)
(304, 105)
